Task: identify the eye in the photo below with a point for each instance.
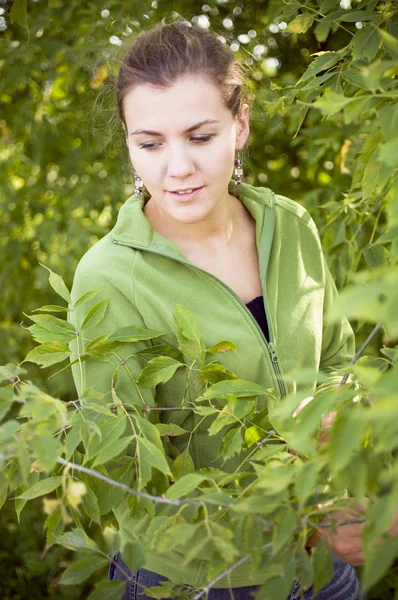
(199, 139)
(202, 138)
(148, 146)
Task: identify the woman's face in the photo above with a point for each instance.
(183, 138)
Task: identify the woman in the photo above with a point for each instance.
(246, 262)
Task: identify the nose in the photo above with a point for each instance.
(179, 163)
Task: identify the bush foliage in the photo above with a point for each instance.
(324, 132)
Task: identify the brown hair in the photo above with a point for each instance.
(164, 53)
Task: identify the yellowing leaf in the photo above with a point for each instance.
(75, 492)
(301, 23)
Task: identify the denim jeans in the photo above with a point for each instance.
(344, 585)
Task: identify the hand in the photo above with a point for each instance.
(346, 543)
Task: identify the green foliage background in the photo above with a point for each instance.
(324, 132)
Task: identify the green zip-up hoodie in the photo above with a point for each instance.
(146, 275)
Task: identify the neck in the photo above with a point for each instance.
(214, 230)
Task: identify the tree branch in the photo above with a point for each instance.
(360, 351)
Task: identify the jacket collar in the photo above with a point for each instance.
(132, 228)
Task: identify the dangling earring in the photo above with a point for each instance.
(238, 171)
(138, 185)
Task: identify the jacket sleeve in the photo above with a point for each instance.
(121, 312)
(338, 341)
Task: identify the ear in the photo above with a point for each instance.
(242, 127)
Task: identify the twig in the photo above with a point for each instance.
(359, 353)
(238, 563)
(126, 488)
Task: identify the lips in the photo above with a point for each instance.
(192, 189)
(186, 196)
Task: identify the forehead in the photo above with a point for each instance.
(188, 100)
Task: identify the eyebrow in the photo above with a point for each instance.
(192, 128)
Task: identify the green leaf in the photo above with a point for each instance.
(54, 526)
(11, 372)
(42, 335)
(41, 488)
(331, 103)
(8, 430)
(224, 418)
(321, 31)
(95, 314)
(323, 61)
(6, 400)
(387, 237)
(51, 308)
(225, 548)
(111, 450)
(387, 118)
(135, 334)
(54, 324)
(232, 443)
(159, 370)
(77, 540)
(285, 526)
(358, 15)
(304, 567)
(223, 346)
(90, 505)
(347, 438)
(182, 465)
(101, 346)
(150, 457)
(188, 333)
(301, 23)
(389, 42)
(149, 431)
(322, 565)
(159, 350)
(170, 429)
(18, 14)
(3, 489)
(388, 153)
(305, 482)
(365, 43)
(379, 559)
(81, 570)
(374, 256)
(48, 354)
(258, 505)
(111, 429)
(176, 536)
(86, 297)
(46, 449)
(58, 284)
(185, 485)
(373, 73)
(188, 323)
(214, 372)
(238, 387)
(109, 590)
(91, 394)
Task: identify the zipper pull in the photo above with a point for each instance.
(272, 351)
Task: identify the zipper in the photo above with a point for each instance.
(270, 346)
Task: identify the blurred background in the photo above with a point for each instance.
(65, 171)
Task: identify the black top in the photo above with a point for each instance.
(256, 307)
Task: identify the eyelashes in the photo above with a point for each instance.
(203, 139)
